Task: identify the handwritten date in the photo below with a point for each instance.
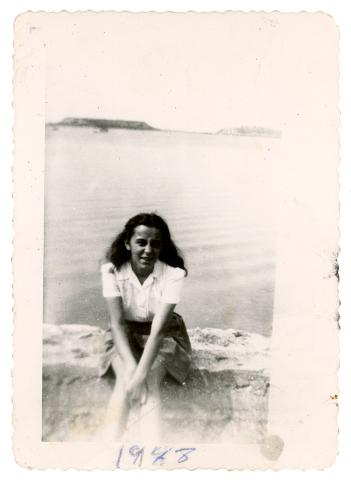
(135, 455)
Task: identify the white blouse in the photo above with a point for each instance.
(140, 302)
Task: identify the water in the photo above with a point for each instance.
(215, 193)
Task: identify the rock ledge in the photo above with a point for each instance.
(225, 395)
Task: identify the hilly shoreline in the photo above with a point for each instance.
(102, 124)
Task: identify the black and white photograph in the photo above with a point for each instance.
(159, 241)
(167, 194)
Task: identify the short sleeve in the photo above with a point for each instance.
(109, 282)
(174, 279)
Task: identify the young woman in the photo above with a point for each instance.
(141, 282)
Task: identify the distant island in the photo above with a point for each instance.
(104, 125)
(101, 124)
(251, 131)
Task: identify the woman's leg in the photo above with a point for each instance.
(118, 406)
(146, 423)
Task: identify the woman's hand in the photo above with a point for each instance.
(136, 390)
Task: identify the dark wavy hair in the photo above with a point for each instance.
(118, 254)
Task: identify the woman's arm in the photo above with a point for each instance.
(119, 335)
(151, 347)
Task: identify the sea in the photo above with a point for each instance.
(216, 193)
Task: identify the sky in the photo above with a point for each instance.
(195, 72)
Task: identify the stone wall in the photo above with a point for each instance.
(225, 395)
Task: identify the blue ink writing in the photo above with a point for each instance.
(184, 456)
(138, 454)
(160, 455)
(119, 457)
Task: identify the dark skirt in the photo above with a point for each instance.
(174, 351)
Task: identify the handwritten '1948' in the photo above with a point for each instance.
(135, 454)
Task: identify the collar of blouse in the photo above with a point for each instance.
(127, 273)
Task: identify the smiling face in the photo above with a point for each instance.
(144, 246)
